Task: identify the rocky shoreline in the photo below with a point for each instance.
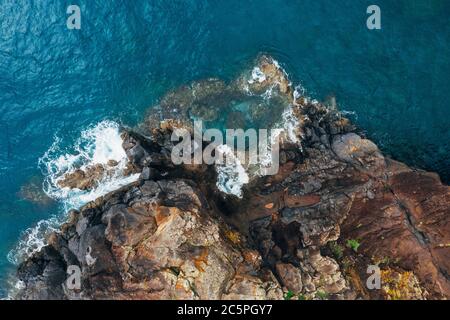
(336, 206)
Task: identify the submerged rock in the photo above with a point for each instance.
(335, 207)
(32, 191)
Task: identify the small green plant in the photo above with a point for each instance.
(301, 297)
(353, 244)
(337, 250)
(289, 295)
(322, 295)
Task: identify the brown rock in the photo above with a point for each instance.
(407, 225)
(290, 277)
(174, 235)
(83, 179)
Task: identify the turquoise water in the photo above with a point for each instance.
(56, 82)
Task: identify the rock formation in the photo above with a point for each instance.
(336, 207)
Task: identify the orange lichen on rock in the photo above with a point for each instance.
(233, 236)
(201, 259)
(401, 285)
(269, 206)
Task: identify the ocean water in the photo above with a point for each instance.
(56, 83)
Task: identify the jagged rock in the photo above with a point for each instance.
(175, 235)
(112, 163)
(252, 288)
(351, 147)
(406, 223)
(156, 240)
(290, 276)
(323, 272)
(83, 179)
(266, 75)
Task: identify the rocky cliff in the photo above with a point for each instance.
(336, 207)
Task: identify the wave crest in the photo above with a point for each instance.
(97, 145)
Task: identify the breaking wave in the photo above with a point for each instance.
(96, 145)
(231, 176)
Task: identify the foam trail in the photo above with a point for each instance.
(257, 76)
(32, 240)
(231, 176)
(96, 145)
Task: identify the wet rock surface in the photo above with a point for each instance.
(83, 179)
(335, 207)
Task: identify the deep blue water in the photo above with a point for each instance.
(55, 81)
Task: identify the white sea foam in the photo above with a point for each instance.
(299, 91)
(346, 113)
(14, 285)
(287, 127)
(32, 240)
(265, 157)
(267, 95)
(231, 175)
(97, 145)
(285, 130)
(257, 76)
(290, 124)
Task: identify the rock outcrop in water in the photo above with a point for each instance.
(336, 207)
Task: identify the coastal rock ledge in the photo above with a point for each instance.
(336, 207)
